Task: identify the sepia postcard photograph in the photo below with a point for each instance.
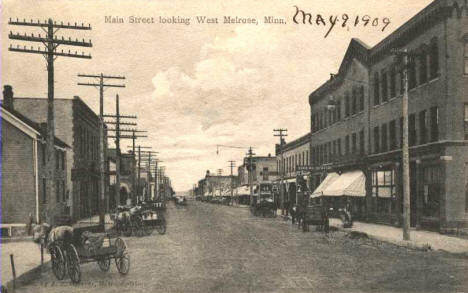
(281, 146)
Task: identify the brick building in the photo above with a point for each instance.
(78, 126)
(364, 130)
(128, 176)
(288, 158)
(24, 169)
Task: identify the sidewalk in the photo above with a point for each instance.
(419, 239)
(27, 258)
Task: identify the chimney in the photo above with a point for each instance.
(8, 97)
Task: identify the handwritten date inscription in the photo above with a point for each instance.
(344, 20)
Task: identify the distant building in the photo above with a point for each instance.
(127, 176)
(288, 158)
(217, 185)
(24, 169)
(78, 126)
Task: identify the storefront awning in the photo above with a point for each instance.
(347, 184)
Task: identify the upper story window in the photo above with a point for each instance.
(347, 105)
(466, 56)
(338, 110)
(347, 144)
(376, 140)
(384, 87)
(361, 98)
(354, 143)
(435, 123)
(412, 139)
(354, 102)
(392, 82)
(423, 67)
(466, 121)
(376, 89)
(392, 134)
(361, 141)
(411, 74)
(434, 59)
(422, 127)
(384, 145)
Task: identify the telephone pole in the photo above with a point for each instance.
(232, 164)
(250, 154)
(148, 156)
(50, 53)
(281, 133)
(405, 145)
(118, 136)
(102, 160)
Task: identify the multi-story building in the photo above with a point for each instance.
(127, 176)
(362, 131)
(24, 194)
(217, 185)
(288, 157)
(78, 126)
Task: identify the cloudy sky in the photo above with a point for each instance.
(198, 85)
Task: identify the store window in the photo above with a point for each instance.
(431, 191)
(384, 190)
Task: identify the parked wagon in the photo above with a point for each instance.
(85, 248)
(153, 219)
(315, 214)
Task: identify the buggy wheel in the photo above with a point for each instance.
(123, 263)
(73, 264)
(137, 226)
(147, 228)
(104, 264)
(126, 228)
(161, 227)
(58, 262)
(122, 258)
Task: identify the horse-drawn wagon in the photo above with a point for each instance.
(315, 214)
(86, 247)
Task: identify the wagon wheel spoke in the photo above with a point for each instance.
(58, 262)
(73, 264)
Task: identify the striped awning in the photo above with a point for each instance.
(351, 183)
